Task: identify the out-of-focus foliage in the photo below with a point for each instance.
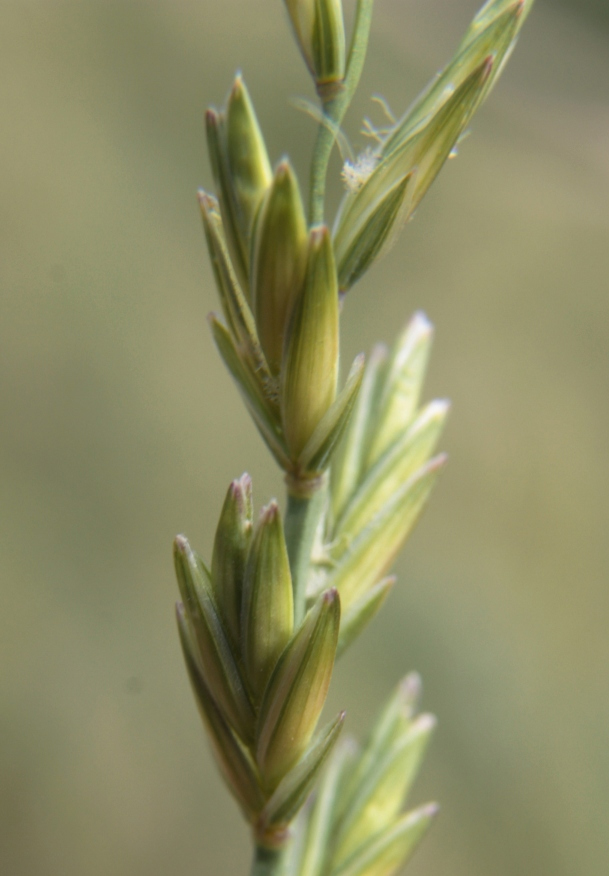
(120, 428)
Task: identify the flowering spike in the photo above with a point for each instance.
(259, 684)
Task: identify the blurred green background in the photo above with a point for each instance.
(120, 428)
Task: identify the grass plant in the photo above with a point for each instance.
(263, 623)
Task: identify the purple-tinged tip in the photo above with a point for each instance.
(330, 596)
(426, 722)
(181, 544)
(270, 513)
(487, 66)
(430, 810)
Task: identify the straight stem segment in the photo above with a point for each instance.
(301, 521)
(268, 862)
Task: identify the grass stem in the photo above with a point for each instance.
(268, 862)
(301, 521)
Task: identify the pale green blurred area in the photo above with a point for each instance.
(120, 428)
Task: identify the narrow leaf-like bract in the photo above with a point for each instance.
(349, 463)
(360, 612)
(364, 561)
(402, 385)
(231, 546)
(390, 726)
(329, 431)
(383, 788)
(268, 610)
(385, 853)
(310, 368)
(280, 255)
(492, 32)
(296, 786)
(235, 763)
(218, 662)
(252, 392)
(216, 146)
(424, 150)
(297, 690)
(397, 465)
(247, 159)
(357, 246)
(322, 819)
(236, 308)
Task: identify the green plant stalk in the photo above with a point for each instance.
(268, 862)
(334, 110)
(302, 518)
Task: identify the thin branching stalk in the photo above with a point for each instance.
(335, 109)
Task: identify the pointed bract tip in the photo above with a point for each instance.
(270, 512)
(206, 201)
(435, 410)
(430, 810)
(211, 116)
(180, 544)
(241, 487)
(440, 406)
(425, 722)
(421, 322)
(318, 234)
(283, 169)
(330, 596)
(438, 462)
(488, 65)
(411, 687)
(241, 496)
